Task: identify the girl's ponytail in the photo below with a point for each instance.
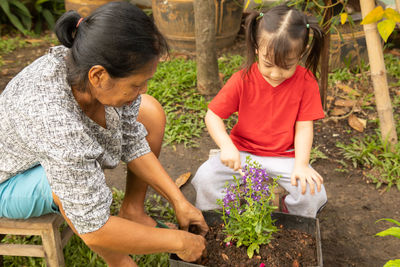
(251, 23)
(315, 47)
(66, 27)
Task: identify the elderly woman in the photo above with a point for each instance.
(79, 109)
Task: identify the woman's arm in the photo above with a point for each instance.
(128, 237)
(230, 156)
(302, 171)
(149, 169)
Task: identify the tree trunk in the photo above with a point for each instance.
(378, 76)
(208, 82)
(325, 54)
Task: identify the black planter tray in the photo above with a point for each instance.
(289, 221)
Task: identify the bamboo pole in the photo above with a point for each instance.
(378, 76)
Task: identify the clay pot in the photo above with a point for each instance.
(85, 7)
(175, 20)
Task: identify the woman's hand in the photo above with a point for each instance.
(230, 156)
(306, 174)
(188, 215)
(193, 247)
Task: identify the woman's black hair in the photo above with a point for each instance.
(289, 31)
(118, 36)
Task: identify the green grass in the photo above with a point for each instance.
(174, 86)
(380, 162)
(77, 254)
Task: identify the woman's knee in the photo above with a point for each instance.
(152, 116)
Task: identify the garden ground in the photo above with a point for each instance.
(347, 222)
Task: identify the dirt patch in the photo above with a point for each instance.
(347, 223)
(287, 248)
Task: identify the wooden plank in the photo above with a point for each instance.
(18, 231)
(31, 223)
(22, 250)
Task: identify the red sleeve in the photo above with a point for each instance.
(310, 106)
(227, 100)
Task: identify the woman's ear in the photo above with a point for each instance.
(97, 76)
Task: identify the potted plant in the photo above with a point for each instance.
(248, 233)
(175, 20)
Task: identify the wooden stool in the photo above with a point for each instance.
(279, 190)
(47, 226)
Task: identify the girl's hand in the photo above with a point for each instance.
(230, 157)
(306, 174)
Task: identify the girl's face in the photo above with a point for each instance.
(117, 92)
(272, 73)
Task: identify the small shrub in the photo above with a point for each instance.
(246, 208)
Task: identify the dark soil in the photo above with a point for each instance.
(347, 223)
(287, 248)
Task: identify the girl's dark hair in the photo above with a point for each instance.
(289, 31)
(118, 36)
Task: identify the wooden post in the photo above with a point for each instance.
(208, 82)
(378, 75)
(325, 54)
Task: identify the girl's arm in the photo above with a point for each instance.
(230, 156)
(302, 143)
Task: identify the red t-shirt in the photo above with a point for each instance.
(267, 115)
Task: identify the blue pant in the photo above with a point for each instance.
(26, 195)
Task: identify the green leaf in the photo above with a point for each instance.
(386, 28)
(389, 220)
(392, 263)
(392, 231)
(250, 250)
(21, 7)
(374, 16)
(49, 18)
(392, 14)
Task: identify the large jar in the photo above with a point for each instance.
(84, 7)
(175, 20)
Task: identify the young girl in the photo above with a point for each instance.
(277, 101)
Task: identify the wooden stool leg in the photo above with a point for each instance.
(51, 239)
(1, 256)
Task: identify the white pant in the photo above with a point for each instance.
(212, 175)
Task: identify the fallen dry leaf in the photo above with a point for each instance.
(225, 257)
(347, 89)
(182, 179)
(33, 41)
(295, 263)
(339, 111)
(357, 123)
(345, 103)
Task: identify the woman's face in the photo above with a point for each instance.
(117, 92)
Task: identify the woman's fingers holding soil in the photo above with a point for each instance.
(193, 247)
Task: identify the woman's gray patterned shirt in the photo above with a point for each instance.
(41, 123)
